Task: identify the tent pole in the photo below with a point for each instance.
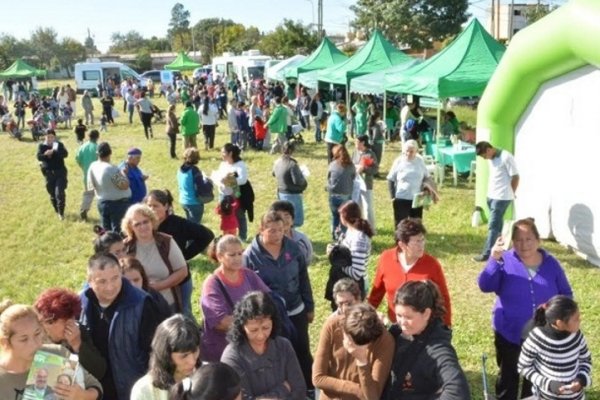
(439, 119)
(384, 106)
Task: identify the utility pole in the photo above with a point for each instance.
(493, 20)
(320, 18)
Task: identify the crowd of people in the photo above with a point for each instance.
(132, 326)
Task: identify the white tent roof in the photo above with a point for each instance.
(277, 71)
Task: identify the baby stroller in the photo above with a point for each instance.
(9, 124)
(37, 125)
(157, 114)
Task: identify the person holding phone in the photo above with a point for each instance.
(523, 278)
(51, 154)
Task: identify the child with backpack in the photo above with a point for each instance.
(226, 209)
(80, 130)
(555, 357)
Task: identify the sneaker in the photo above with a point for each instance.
(83, 215)
(480, 258)
(61, 216)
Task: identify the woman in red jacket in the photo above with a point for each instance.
(408, 262)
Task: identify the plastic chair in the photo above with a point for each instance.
(434, 169)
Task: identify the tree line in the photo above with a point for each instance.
(414, 23)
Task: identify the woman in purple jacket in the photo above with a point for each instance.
(523, 278)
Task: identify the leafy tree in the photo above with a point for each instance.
(44, 45)
(156, 44)
(11, 49)
(237, 38)
(179, 26)
(143, 60)
(69, 52)
(207, 35)
(126, 43)
(537, 12)
(90, 46)
(416, 23)
(288, 39)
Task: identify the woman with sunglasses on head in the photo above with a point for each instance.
(158, 252)
(192, 238)
(221, 291)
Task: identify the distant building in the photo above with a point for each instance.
(511, 19)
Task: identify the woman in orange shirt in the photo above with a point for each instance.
(407, 262)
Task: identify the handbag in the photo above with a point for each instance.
(208, 194)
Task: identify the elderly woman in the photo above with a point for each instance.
(266, 362)
(340, 181)
(408, 262)
(221, 291)
(158, 252)
(21, 336)
(408, 177)
(523, 278)
(425, 364)
(58, 310)
(281, 265)
(232, 175)
(353, 358)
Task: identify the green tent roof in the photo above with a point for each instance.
(182, 63)
(375, 55)
(324, 56)
(20, 69)
(374, 83)
(461, 69)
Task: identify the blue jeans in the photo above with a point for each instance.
(318, 137)
(497, 210)
(296, 200)
(112, 212)
(193, 212)
(335, 201)
(186, 294)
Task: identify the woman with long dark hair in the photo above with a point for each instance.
(175, 356)
(209, 112)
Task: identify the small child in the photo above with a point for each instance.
(227, 209)
(103, 123)
(67, 114)
(555, 356)
(260, 131)
(80, 130)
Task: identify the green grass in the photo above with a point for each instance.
(39, 251)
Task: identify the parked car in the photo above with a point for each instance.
(155, 76)
(202, 72)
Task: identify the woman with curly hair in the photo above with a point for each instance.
(175, 356)
(266, 362)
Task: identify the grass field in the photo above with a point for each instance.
(38, 251)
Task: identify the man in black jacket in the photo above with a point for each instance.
(51, 154)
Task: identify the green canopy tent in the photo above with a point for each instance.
(20, 69)
(182, 63)
(326, 55)
(377, 54)
(277, 72)
(374, 83)
(462, 69)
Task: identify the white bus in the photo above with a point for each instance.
(247, 67)
(87, 74)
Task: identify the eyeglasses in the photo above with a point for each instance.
(141, 223)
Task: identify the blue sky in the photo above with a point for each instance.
(151, 17)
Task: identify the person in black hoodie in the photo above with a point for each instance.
(425, 364)
(51, 154)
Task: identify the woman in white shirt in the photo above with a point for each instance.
(145, 107)
(208, 115)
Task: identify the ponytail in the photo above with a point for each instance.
(364, 226)
(539, 317)
(558, 308)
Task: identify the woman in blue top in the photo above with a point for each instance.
(523, 278)
(336, 129)
(191, 185)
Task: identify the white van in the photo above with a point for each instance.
(248, 66)
(87, 74)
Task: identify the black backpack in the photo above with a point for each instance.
(314, 108)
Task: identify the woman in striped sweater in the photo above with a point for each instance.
(358, 239)
(555, 357)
